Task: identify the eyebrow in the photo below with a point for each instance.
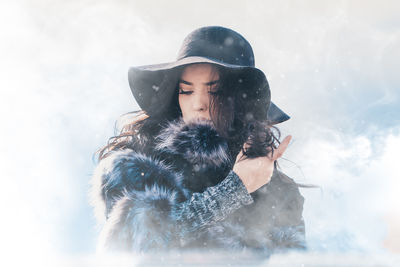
(189, 83)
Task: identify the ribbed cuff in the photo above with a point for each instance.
(234, 191)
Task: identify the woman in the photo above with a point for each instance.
(196, 168)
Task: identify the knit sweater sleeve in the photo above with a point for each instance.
(213, 205)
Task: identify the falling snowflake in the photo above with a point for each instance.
(249, 116)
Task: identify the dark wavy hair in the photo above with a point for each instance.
(233, 110)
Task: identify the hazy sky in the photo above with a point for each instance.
(331, 65)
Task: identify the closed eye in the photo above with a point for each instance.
(216, 92)
(214, 89)
(182, 92)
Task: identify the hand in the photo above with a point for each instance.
(257, 172)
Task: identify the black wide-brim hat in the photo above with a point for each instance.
(153, 86)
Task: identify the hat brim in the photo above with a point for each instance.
(153, 85)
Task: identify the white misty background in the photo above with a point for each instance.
(332, 65)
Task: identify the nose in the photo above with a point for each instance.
(201, 102)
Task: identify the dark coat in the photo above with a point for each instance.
(184, 195)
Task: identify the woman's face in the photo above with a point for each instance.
(197, 85)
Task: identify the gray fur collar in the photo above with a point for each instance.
(196, 141)
(196, 150)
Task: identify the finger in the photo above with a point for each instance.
(281, 148)
(239, 156)
(246, 145)
(142, 117)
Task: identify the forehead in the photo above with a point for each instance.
(202, 71)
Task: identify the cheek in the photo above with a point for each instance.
(184, 110)
(183, 103)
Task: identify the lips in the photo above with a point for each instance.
(201, 119)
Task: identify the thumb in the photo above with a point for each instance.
(281, 148)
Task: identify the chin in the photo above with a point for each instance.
(194, 119)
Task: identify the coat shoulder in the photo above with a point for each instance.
(282, 198)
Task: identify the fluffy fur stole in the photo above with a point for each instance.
(136, 193)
